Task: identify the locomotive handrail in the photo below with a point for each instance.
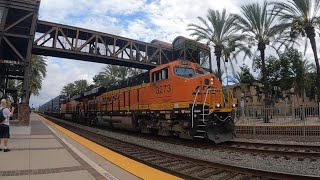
(222, 98)
(194, 102)
(230, 98)
(204, 104)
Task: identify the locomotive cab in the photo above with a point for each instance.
(183, 86)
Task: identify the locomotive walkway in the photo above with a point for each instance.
(47, 151)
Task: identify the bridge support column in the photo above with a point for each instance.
(18, 20)
(24, 114)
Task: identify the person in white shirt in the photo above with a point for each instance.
(4, 126)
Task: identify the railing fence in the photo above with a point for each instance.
(287, 119)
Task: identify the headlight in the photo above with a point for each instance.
(211, 81)
(218, 105)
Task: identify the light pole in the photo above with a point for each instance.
(317, 103)
(275, 88)
(242, 104)
(292, 104)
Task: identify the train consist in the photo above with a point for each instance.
(178, 98)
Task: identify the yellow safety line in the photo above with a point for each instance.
(136, 168)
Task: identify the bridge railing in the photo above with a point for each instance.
(78, 43)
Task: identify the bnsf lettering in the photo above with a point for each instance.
(163, 89)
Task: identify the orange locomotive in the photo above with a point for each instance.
(178, 98)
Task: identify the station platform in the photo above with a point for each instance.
(47, 151)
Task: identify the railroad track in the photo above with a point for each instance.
(276, 150)
(181, 166)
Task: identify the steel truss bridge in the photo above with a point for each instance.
(22, 34)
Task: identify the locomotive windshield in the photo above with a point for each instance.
(183, 72)
(188, 72)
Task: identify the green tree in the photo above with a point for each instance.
(301, 17)
(110, 71)
(38, 72)
(135, 72)
(218, 31)
(122, 73)
(115, 73)
(81, 86)
(311, 88)
(294, 71)
(13, 84)
(257, 24)
(287, 71)
(112, 74)
(69, 89)
(297, 68)
(308, 67)
(273, 71)
(101, 80)
(244, 76)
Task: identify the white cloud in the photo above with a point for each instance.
(116, 6)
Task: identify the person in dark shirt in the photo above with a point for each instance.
(4, 126)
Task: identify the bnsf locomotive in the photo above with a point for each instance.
(178, 98)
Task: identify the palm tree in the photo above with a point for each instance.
(122, 73)
(38, 72)
(216, 72)
(101, 80)
(218, 31)
(81, 86)
(12, 84)
(118, 73)
(111, 74)
(110, 71)
(238, 78)
(135, 71)
(301, 16)
(308, 67)
(69, 89)
(257, 24)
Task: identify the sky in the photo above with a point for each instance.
(142, 20)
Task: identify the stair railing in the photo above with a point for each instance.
(192, 110)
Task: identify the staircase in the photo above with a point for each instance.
(200, 128)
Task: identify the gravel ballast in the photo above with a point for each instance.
(292, 165)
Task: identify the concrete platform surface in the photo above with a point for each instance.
(39, 152)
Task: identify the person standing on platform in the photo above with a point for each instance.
(4, 126)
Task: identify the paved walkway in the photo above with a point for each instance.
(43, 153)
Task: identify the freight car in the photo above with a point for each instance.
(53, 107)
(178, 98)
